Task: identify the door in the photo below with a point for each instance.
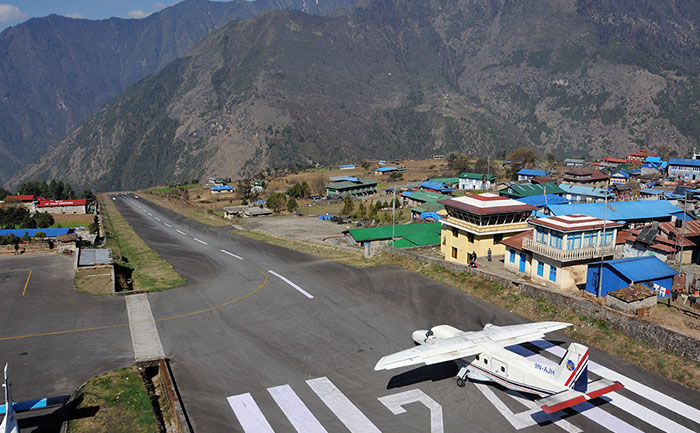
(499, 368)
(521, 266)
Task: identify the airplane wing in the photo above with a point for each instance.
(466, 344)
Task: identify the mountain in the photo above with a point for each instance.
(395, 79)
(55, 71)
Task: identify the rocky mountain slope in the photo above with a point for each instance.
(397, 78)
(54, 71)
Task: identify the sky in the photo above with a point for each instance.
(16, 11)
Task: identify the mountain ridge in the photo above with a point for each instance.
(395, 79)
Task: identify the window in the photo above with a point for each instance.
(470, 237)
(512, 256)
(454, 252)
(498, 237)
(608, 238)
(574, 241)
(555, 239)
(540, 269)
(455, 232)
(552, 273)
(503, 369)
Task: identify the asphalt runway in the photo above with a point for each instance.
(266, 339)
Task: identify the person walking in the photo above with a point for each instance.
(16, 248)
(488, 254)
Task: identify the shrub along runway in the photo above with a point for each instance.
(266, 339)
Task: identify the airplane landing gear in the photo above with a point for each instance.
(462, 377)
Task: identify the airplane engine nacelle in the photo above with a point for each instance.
(421, 336)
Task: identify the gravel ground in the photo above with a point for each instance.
(295, 227)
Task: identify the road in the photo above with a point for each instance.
(266, 339)
(277, 340)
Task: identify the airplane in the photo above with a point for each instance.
(558, 386)
(10, 408)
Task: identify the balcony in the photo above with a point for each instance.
(567, 255)
(488, 229)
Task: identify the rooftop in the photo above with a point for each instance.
(412, 234)
(487, 203)
(574, 223)
(55, 203)
(425, 196)
(585, 190)
(477, 176)
(581, 174)
(640, 269)
(532, 172)
(684, 161)
(543, 200)
(619, 210)
(528, 189)
(517, 240)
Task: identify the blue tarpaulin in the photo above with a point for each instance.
(433, 215)
(50, 233)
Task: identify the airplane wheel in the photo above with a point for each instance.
(460, 382)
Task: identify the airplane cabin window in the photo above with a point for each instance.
(486, 361)
(503, 369)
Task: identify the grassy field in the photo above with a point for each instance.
(150, 271)
(96, 281)
(171, 189)
(587, 330)
(122, 401)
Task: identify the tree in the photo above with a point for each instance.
(3, 193)
(361, 211)
(43, 220)
(482, 166)
(68, 192)
(348, 205)
(318, 185)
(276, 201)
(365, 164)
(244, 188)
(299, 190)
(523, 157)
(458, 164)
(292, 204)
(395, 175)
(88, 195)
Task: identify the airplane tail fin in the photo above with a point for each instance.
(573, 368)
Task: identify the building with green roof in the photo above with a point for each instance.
(449, 181)
(406, 235)
(476, 181)
(352, 186)
(529, 189)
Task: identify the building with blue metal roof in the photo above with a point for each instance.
(529, 173)
(631, 212)
(621, 273)
(50, 233)
(221, 189)
(684, 169)
(585, 194)
(543, 200)
(436, 187)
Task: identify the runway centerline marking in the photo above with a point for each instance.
(167, 225)
(181, 232)
(157, 219)
(299, 289)
(231, 254)
(200, 241)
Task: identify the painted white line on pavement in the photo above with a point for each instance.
(200, 241)
(167, 225)
(302, 291)
(657, 397)
(518, 421)
(231, 254)
(150, 214)
(395, 403)
(157, 219)
(180, 231)
(248, 413)
(341, 406)
(542, 417)
(296, 411)
(645, 414)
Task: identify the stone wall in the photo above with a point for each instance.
(34, 247)
(650, 333)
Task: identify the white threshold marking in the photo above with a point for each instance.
(296, 411)
(180, 231)
(231, 254)
(157, 219)
(167, 225)
(341, 406)
(150, 214)
(200, 241)
(536, 412)
(631, 385)
(248, 413)
(299, 289)
(616, 399)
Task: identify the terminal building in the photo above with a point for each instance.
(342, 186)
(477, 223)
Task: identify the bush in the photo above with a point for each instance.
(292, 204)
(39, 235)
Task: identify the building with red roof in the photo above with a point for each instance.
(62, 206)
(640, 157)
(591, 178)
(478, 223)
(557, 250)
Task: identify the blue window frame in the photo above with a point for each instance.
(555, 239)
(512, 256)
(608, 238)
(574, 241)
(552, 273)
(540, 269)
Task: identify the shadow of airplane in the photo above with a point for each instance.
(441, 371)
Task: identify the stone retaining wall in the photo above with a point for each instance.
(35, 247)
(650, 333)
